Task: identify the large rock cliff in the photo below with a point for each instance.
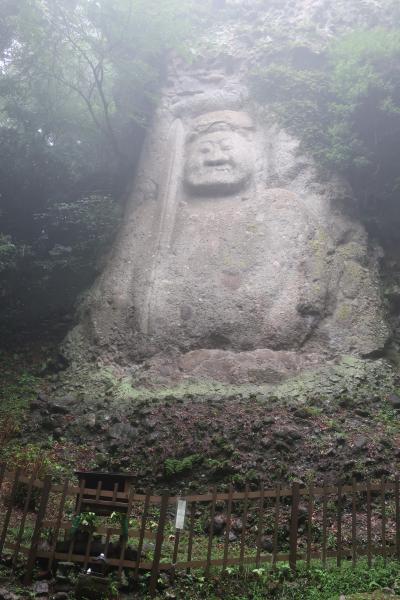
(236, 262)
(239, 323)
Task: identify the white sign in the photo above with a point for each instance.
(180, 514)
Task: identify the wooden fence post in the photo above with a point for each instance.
(38, 528)
(260, 524)
(211, 532)
(397, 501)
(155, 570)
(11, 502)
(3, 467)
(228, 527)
(244, 526)
(310, 522)
(339, 524)
(60, 515)
(142, 533)
(125, 539)
(294, 522)
(276, 527)
(369, 524)
(353, 522)
(383, 509)
(191, 533)
(324, 524)
(23, 520)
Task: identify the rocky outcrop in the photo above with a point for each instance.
(235, 263)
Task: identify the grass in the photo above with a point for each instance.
(16, 393)
(306, 584)
(18, 387)
(173, 466)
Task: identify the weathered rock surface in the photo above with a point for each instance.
(6, 594)
(187, 438)
(236, 263)
(234, 259)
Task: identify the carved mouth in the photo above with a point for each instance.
(218, 164)
(224, 168)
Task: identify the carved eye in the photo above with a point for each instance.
(205, 149)
(226, 146)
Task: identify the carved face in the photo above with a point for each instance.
(219, 162)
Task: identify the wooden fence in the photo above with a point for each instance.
(246, 528)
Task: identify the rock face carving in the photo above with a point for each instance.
(219, 154)
(234, 263)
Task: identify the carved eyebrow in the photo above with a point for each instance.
(210, 125)
(196, 133)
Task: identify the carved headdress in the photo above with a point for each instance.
(220, 120)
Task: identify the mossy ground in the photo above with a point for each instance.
(312, 584)
(337, 422)
(341, 426)
(381, 582)
(24, 373)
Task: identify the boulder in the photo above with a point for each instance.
(6, 594)
(218, 525)
(394, 400)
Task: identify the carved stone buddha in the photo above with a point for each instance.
(226, 272)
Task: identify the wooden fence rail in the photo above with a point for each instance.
(38, 522)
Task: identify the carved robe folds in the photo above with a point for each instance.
(218, 265)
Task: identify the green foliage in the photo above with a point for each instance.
(16, 394)
(18, 386)
(177, 466)
(32, 458)
(85, 521)
(282, 584)
(8, 253)
(346, 112)
(75, 62)
(78, 85)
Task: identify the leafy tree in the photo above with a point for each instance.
(346, 111)
(78, 83)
